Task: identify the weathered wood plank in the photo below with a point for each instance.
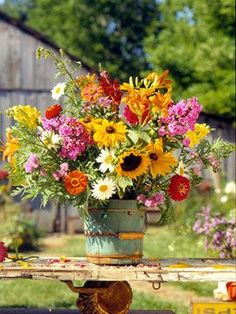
(182, 270)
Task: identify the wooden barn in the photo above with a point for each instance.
(25, 80)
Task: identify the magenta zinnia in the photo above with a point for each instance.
(3, 252)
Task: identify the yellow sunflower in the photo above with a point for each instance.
(132, 164)
(109, 133)
(160, 162)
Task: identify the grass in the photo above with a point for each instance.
(159, 242)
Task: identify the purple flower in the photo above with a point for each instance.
(32, 163)
(218, 231)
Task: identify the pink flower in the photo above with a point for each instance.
(141, 198)
(60, 174)
(43, 172)
(181, 117)
(32, 163)
(75, 137)
(153, 201)
(3, 252)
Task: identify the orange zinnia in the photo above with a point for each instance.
(76, 182)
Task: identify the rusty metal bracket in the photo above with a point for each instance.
(156, 285)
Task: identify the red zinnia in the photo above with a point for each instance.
(3, 252)
(53, 111)
(179, 187)
(3, 174)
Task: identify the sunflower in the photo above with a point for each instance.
(109, 133)
(160, 161)
(132, 164)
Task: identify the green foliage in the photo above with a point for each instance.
(196, 43)
(15, 226)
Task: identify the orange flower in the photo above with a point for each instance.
(76, 182)
(12, 145)
(53, 111)
(91, 92)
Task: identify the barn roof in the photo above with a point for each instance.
(41, 37)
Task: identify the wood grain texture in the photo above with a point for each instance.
(182, 270)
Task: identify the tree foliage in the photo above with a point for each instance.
(197, 45)
(194, 39)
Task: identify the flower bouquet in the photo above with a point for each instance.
(112, 150)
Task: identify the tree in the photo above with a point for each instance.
(197, 45)
(109, 32)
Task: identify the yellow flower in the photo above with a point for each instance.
(200, 131)
(11, 146)
(82, 81)
(132, 164)
(160, 162)
(109, 133)
(26, 115)
(90, 123)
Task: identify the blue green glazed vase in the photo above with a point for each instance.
(115, 236)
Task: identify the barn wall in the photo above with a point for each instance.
(23, 78)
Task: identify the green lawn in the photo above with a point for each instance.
(159, 242)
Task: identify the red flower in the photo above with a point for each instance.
(179, 187)
(3, 174)
(3, 252)
(110, 88)
(53, 111)
(132, 118)
(231, 289)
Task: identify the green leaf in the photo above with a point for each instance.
(134, 136)
(123, 182)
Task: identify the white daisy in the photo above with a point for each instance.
(105, 159)
(58, 90)
(103, 189)
(51, 140)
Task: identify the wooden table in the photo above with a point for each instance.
(110, 281)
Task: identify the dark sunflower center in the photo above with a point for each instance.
(87, 120)
(110, 129)
(131, 162)
(153, 156)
